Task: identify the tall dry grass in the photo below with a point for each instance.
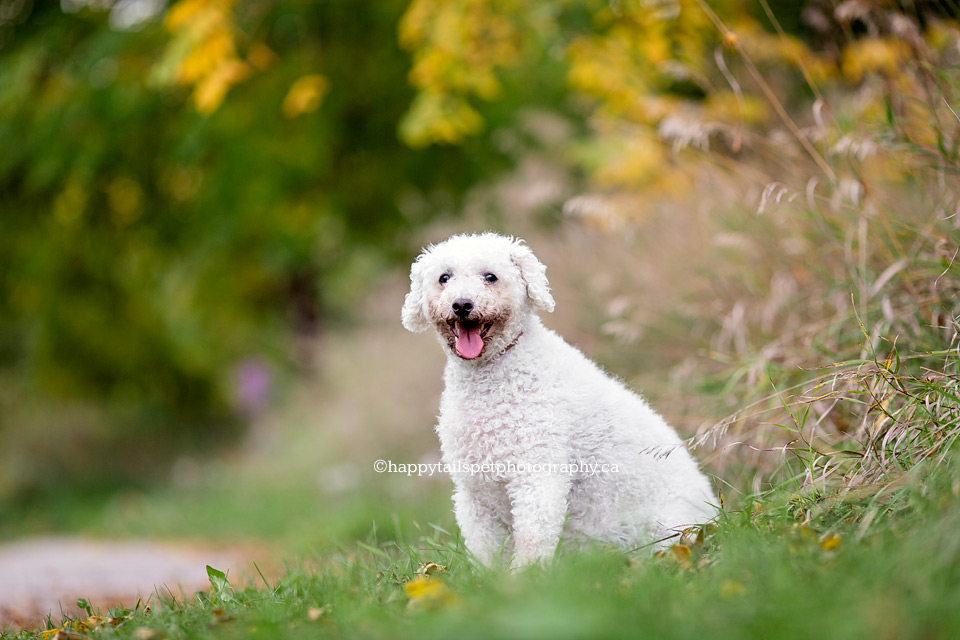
(814, 289)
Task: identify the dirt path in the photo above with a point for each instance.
(40, 576)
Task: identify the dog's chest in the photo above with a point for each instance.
(497, 420)
(481, 429)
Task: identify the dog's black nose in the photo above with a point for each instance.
(462, 307)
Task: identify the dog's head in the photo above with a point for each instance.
(476, 291)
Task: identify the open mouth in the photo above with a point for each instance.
(469, 335)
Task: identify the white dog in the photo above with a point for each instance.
(541, 443)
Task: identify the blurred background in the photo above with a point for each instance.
(208, 209)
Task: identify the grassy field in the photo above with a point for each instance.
(884, 563)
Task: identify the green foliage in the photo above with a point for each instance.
(148, 249)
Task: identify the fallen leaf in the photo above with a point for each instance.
(430, 592)
(681, 553)
(831, 541)
(429, 568)
(89, 623)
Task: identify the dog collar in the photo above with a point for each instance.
(512, 344)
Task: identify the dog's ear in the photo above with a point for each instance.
(534, 274)
(413, 317)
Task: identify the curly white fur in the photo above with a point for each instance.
(528, 399)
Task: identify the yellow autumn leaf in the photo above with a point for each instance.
(681, 553)
(413, 25)
(206, 57)
(872, 55)
(183, 11)
(305, 95)
(430, 568)
(203, 51)
(209, 92)
(428, 592)
(439, 118)
(831, 541)
(458, 49)
(89, 623)
(198, 17)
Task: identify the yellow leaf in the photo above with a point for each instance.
(429, 568)
(439, 118)
(305, 95)
(183, 11)
(203, 51)
(210, 91)
(198, 17)
(427, 591)
(681, 553)
(207, 57)
(872, 55)
(88, 624)
(832, 541)
(414, 23)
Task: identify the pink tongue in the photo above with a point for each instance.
(469, 342)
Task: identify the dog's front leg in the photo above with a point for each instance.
(482, 530)
(539, 509)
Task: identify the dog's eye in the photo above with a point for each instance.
(490, 278)
(444, 278)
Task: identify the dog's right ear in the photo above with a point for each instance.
(413, 315)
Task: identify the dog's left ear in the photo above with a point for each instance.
(412, 315)
(534, 274)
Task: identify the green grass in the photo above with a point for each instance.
(787, 567)
(287, 515)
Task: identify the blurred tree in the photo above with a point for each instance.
(179, 196)
(657, 77)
